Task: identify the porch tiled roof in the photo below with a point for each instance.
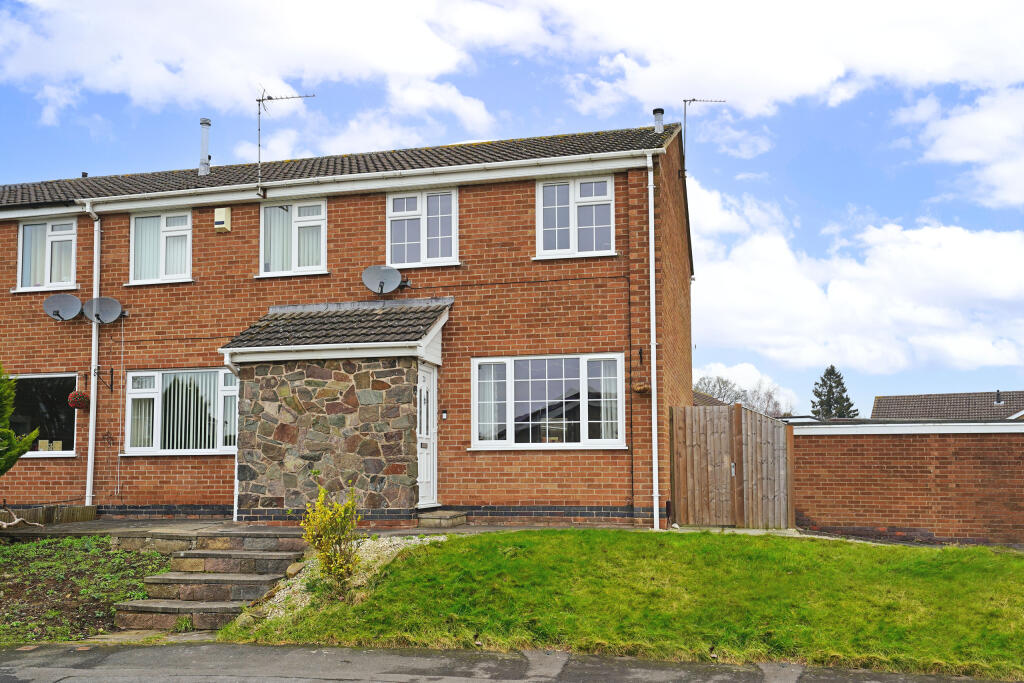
(53, 192)
(355, 322)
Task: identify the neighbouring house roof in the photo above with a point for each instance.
(358, 322)
(966, 406)
(702, 399)
(577, 144)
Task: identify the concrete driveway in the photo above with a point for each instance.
(227, 662)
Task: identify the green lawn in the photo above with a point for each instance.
(65, 588)
(686, 596)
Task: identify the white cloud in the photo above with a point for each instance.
(733, 141)
(895, 296)
(747, 377)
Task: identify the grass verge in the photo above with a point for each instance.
(65, 588)
(954, 610)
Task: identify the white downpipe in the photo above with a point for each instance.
(94, 360)
(655, 484)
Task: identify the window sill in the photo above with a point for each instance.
(551, 447)
(437, 264)
(163, 454)
(34, 455)
(593, 254)
(267, 276)
(60, 288)
(146, 283)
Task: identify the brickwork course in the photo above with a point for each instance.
(506, 303)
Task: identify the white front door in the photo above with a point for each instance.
(426, 434)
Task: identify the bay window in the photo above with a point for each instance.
(181, 411)
(293, 239)
(575, 217)
(422, 229)
(161, 248)
(46, 255)
(548, 402)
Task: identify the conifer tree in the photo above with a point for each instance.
(12, 446)
(830, 397)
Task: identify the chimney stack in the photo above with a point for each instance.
(204, 148)
(659, 122)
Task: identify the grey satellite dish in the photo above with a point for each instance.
(102, 310)
(62, 306)
(382, 279)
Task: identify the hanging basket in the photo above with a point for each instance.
(79, 400)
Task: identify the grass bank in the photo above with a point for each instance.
(65, 588)
(686, 597)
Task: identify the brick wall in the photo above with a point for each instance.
(505, 304)
(928, 487)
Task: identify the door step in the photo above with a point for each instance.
(442, 519)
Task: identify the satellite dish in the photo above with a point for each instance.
(62, 306)
(382, 279)
(102, 310)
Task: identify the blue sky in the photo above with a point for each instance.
(856, 201)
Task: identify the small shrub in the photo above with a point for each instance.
(330, 529)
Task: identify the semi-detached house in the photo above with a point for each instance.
(514, 376)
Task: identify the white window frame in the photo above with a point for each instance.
(296, 223)
(421, 213)
(585, 442)
(52, 454)
(575, 201)
(156, 393)
(165, 233)
(51, 237)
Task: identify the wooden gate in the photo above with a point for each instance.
(730, 467)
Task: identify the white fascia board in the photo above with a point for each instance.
(361, 182)
(909, 428)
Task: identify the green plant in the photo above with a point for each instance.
(330, 529)
(12, 446)
(183, 624)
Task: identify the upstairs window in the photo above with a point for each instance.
(422, 229)
(575, 217)
(181, 412)
(549, 402)
(293, 239)
(47, 255)
(161, 248)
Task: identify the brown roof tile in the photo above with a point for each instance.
(357, 322)
(576, 144)
(967, 406)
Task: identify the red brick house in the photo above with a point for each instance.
(510, 379)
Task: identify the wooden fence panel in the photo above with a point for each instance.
(730, 466)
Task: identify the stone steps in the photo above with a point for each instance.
(211, 581)
(164, 614)
(234, 561)
(209, 586)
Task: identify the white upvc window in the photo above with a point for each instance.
(549, 402)
(293, 238)
(161, 248)
(46, 254)
(576, 217)
(423, 228)
(181, 412)
(41, 402)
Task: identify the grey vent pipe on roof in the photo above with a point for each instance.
(204, 148)
(659, 120)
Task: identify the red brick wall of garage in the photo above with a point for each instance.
(505, 304)
(929, 487)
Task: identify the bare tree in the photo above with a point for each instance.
(723, 389)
